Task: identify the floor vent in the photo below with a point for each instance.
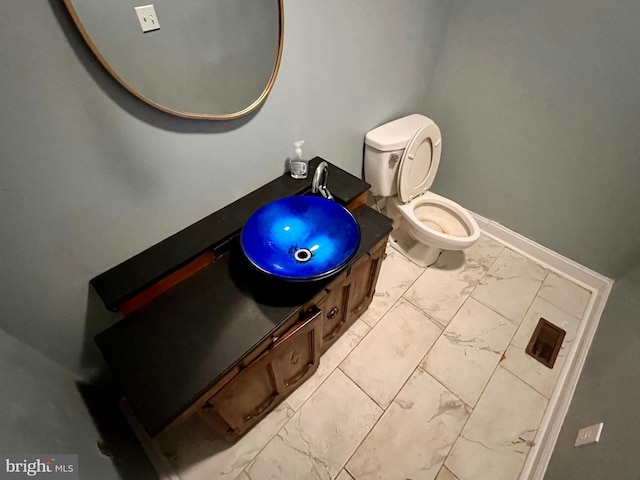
(545, 342)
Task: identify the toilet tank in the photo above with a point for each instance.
(381, 170)
(383, 150)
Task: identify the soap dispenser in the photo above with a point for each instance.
(299, 166)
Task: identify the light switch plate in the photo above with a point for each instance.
(590, 434)
(148, 18)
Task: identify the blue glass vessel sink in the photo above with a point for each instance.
(300, 238)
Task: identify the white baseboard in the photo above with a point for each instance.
(600, 287)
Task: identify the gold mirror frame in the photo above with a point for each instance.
(203, 116)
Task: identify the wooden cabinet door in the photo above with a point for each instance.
(295, 356)
(334, 313)
(362, 280)
(350, 295)
(256, 390)
(243, 401)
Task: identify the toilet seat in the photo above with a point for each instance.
(419, 163)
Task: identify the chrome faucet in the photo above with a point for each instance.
(319, 183)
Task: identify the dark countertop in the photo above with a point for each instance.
(168, 353)
(132, 276)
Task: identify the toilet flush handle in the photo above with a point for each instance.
(393, 159)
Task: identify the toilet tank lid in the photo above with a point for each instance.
(396, 134)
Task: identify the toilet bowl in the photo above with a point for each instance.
(429, 224)
(401, 161)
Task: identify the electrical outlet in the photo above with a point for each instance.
(590, 434)
(148, 18)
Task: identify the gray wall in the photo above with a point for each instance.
(44, 412)
(607, 392)
(91, 176)
(539, 104)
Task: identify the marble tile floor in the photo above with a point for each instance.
(432, 382)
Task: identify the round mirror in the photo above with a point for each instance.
(208, 59)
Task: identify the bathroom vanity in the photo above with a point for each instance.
(205, 333)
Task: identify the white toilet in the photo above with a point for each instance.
(401, 159)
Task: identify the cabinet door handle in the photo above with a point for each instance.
(332, 314)
(334, 332)
(300, 374)
(261, 408)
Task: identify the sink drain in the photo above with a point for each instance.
(302, 255)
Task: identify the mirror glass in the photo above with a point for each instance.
(210, 59)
